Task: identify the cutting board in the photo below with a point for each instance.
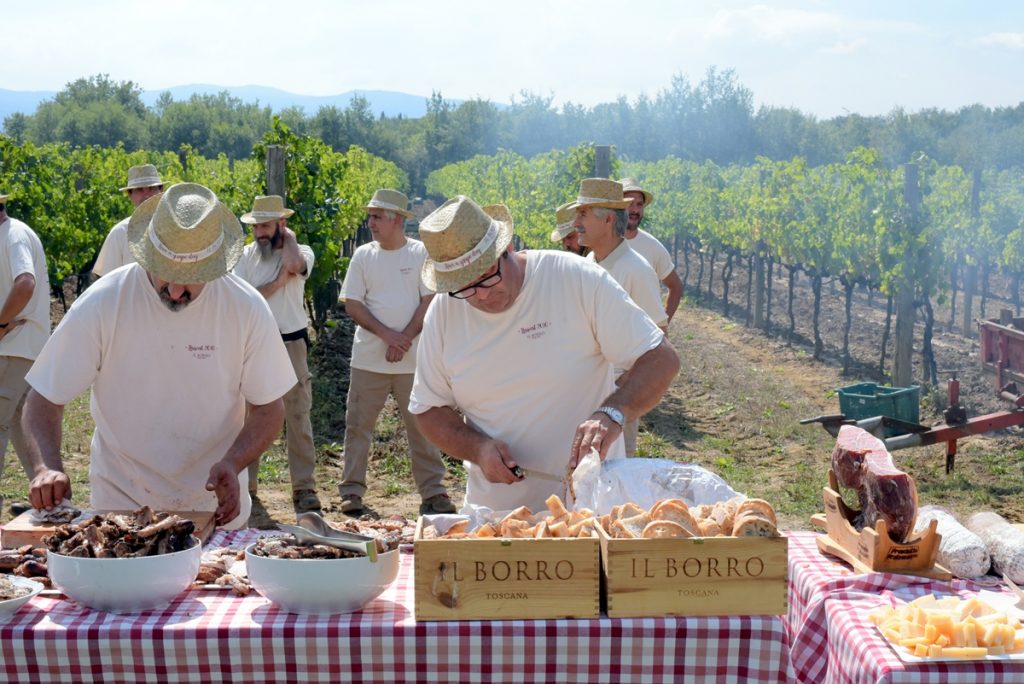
(22, 530)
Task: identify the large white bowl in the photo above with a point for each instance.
(321, 585)
(125, 584)
(11, 605)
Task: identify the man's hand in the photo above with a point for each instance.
(393, 338)
(394, 355)
(496, 462)
(48, 488)
(223, 482)
(596, 432)
(16, 323)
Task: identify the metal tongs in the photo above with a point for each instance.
(312, 529)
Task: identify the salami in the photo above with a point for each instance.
(1004, 541)
(961, 551)
(862, 462)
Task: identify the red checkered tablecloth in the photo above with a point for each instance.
(207, 635)
(833, 640)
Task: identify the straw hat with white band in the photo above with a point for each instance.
(185, 235)
(600, 192)
(565, 215)
(390, 200)
(4, 198)
(463, 240)
(630, 185)
(142, 176)
(266, 208)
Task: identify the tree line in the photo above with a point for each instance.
(712, 120)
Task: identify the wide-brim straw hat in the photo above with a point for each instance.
(630, 185)
(463, 240)
(267, 208)
(142, 176)
(185, 235)
(390, 200)
(600, 192)
(4, 198)
(565, 216)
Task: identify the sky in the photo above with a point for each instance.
(825, 58)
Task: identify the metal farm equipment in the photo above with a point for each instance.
(1002, 354)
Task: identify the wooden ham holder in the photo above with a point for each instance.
(871, 550)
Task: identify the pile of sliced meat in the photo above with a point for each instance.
(134, 535)
(862, 463)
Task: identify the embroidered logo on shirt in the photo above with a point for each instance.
(535, 331)
(405, 270)
(201, 351)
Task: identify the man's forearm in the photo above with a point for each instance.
(18, 298)
(415, 326)
(41, 422)
(361, 314)
(446, 430)
(675, 293)
(644, 384)
(262, 425)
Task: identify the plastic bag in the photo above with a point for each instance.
(644, 481)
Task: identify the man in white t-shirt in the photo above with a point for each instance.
(649, 247)
(143, 182)
(24, 323)
(278, 266)
(384, 296)
(601, 222)
(515, 362)
(185, 363)
(565, 232)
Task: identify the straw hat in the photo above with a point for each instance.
(390, 200)
(600, 192)
(185, 235)
(630, 185)
(463, 240)
(565, 215)
(142, 176)
(266, 208)
(4, 198)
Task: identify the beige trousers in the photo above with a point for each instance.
(297, 425)
(367, 392)
(13, 389)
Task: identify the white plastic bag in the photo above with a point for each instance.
(644, 481)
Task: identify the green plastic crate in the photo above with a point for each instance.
(866, 400)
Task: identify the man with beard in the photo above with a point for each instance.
(565, 232)
(143, 182)
(185, 364)
(648, 246)
(384, 295)
(278, 266)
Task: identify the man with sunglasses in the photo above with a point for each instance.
(515, 364)
(24, 323)
(143, 182)
(384, 296)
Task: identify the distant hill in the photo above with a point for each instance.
(387, 102)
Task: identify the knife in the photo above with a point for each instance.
(521, 473)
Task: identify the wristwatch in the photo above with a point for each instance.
(613, 413)
(3, 325)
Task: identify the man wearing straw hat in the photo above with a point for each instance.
(24, 323)
(186, 366)
(143, 182)
(278, 266)
(384, 296)
(565, 232)
(515, 362)
(649, 247)
(601, 223)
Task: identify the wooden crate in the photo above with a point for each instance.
(21, 530)
(506, 579)
(703, 576)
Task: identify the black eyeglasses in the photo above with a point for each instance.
(489, 281)
(3, 207)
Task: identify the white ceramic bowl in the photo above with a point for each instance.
(125, 584)
(321, 585)
(11, 605)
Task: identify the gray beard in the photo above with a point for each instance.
(266, 251)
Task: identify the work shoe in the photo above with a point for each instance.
(351, 503)
(439, 503)
(305, 500)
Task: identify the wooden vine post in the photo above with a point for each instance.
(276, 170)
(902, 371)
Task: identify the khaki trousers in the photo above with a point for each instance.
(297, 425)
(367, 392)
(13, 389)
